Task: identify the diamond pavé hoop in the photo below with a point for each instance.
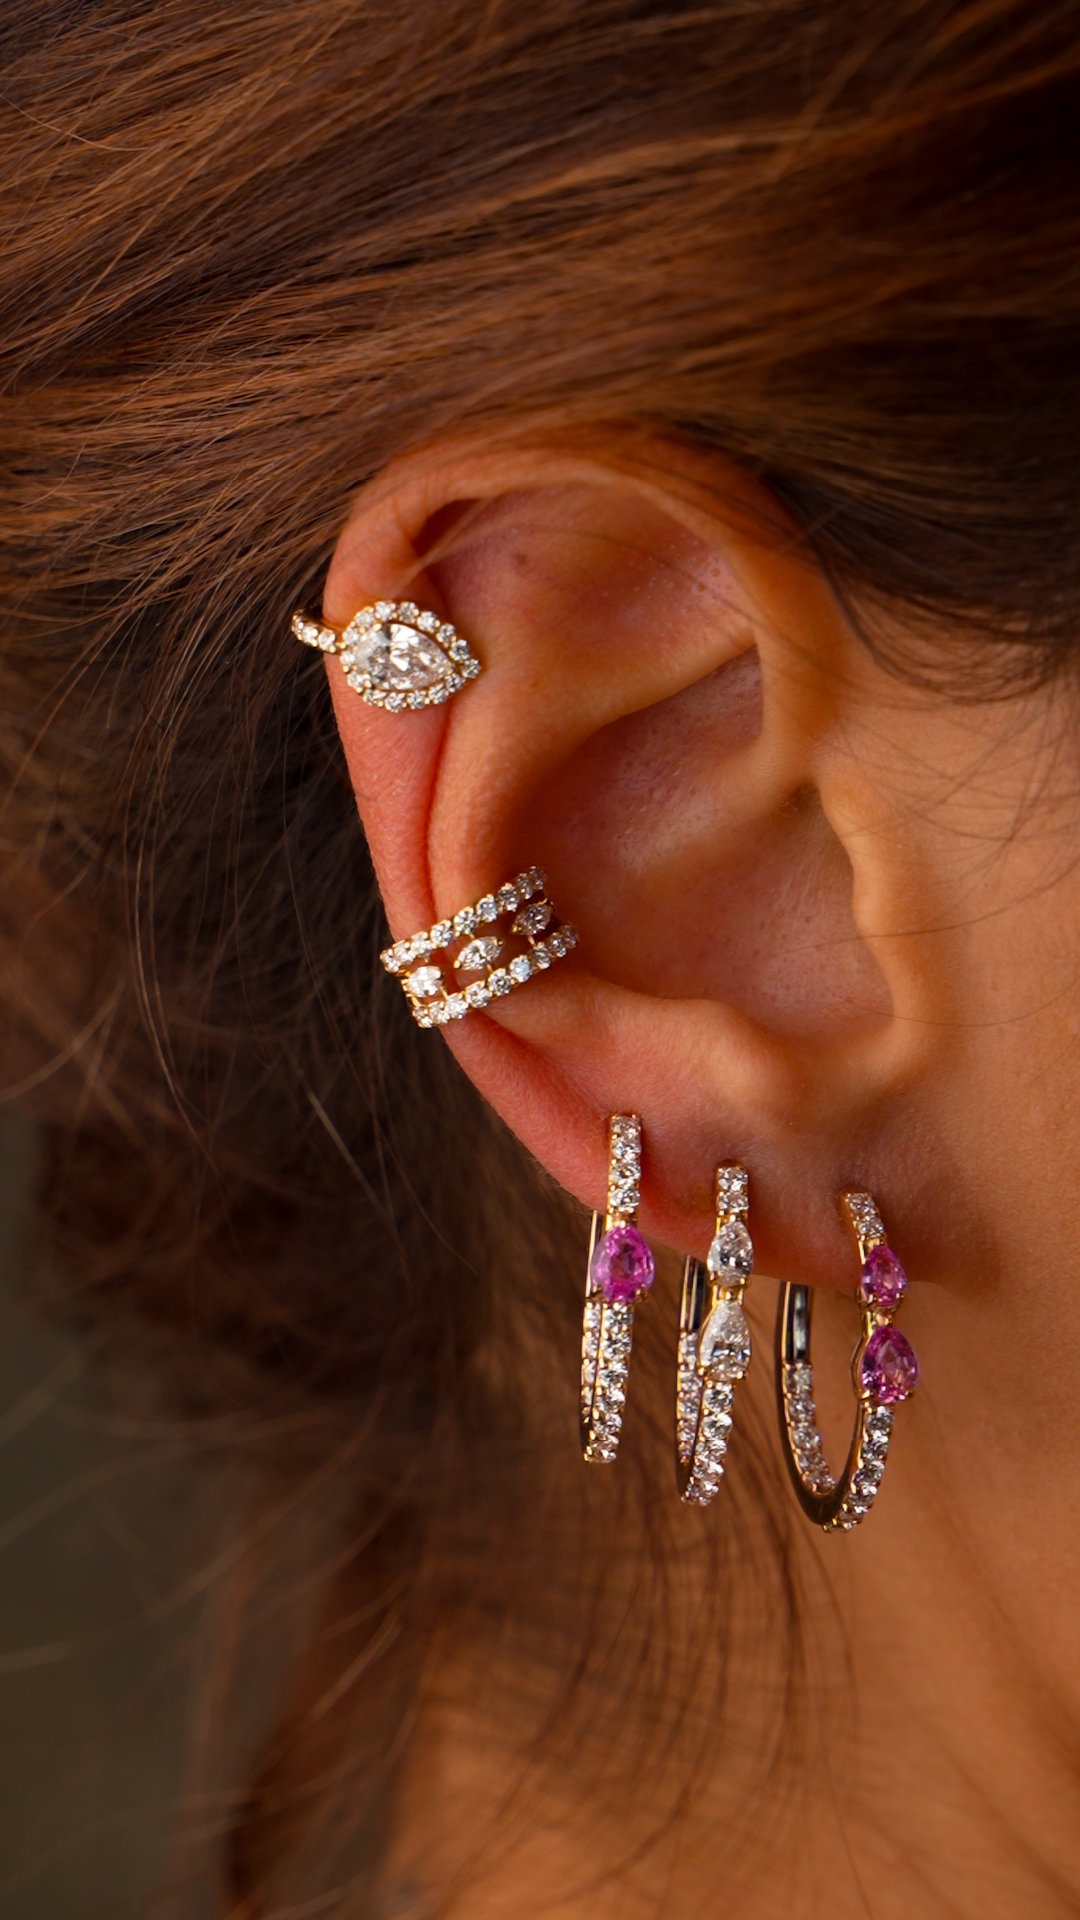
(620, 1270)
(884, 1369)
(714, 1350)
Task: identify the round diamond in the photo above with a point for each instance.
(724, 1347)
(731, 1254)
(477, 994)
(456, 1006)
(486, 908)
(465, 921)
(500, 981)
(622, 1264)
(521, 969)
(425, 983)
(888, 1369)
(507, 899)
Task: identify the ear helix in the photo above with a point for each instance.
(394, 655)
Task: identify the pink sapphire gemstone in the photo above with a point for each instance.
(888, 1370)
(622, 1266)
(883, 1282)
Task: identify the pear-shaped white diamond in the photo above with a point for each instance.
(731, 1255)
(397, 658)
(478, 955)
(724, 1347)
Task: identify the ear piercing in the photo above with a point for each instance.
(534, 930)
(884, 1369)
(394, 655)
(714, 1352)
(620, 1272)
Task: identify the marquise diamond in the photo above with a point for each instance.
(478, 955)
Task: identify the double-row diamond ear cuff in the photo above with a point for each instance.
(884, 1370)
(714, 1349)
(620, 1271)
(395, 655)
(471, 946)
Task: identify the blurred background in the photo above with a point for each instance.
(109, 1549)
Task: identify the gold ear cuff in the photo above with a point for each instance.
(394, 655)
(534, 930)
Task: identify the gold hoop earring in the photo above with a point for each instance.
(620, 1271)
(884, 1370)
(714, 1352)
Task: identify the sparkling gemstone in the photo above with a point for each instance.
(888, 1369)
(724, 1347)
(731, 1254)
(442, 934)
(622, 1265)
(533, 919)
(500, 981)
(477, 995)
(521, 969)
(424, 984)
(540, 956)
(486, 909)
(428, 622)
(398, 659)
(478, 955)
(465, 921)
(456, 1006)
(507, 899)
(883, 1281)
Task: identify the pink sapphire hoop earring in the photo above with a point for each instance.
(714, 1351)
(394, 655)
(471, 946)
(884, 1369)
(619, 1272)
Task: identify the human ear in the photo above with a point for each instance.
(665, 723)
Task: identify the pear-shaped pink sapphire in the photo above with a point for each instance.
(622, 1265)
(882, 1282)
(888, 1370)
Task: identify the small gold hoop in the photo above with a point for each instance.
(714, 1349)
(884, 1372)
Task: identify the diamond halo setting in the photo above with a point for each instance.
(395, 655)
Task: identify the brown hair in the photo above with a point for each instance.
(251, 251)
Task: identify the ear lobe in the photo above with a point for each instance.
(644, 728)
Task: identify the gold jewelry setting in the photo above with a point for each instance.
(714, 1348)
(619, 1272)
(394, 655)
(534, 929)
(884, 1371)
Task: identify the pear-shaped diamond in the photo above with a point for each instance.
(397, 658)
(724, 1347)
(478, 955)
(731, 1255)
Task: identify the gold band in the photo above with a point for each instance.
(480, 950)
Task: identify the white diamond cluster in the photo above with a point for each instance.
(434, 1000)
(608, 1326)
(872, 1437)
(712, 1360)
(395, 655)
